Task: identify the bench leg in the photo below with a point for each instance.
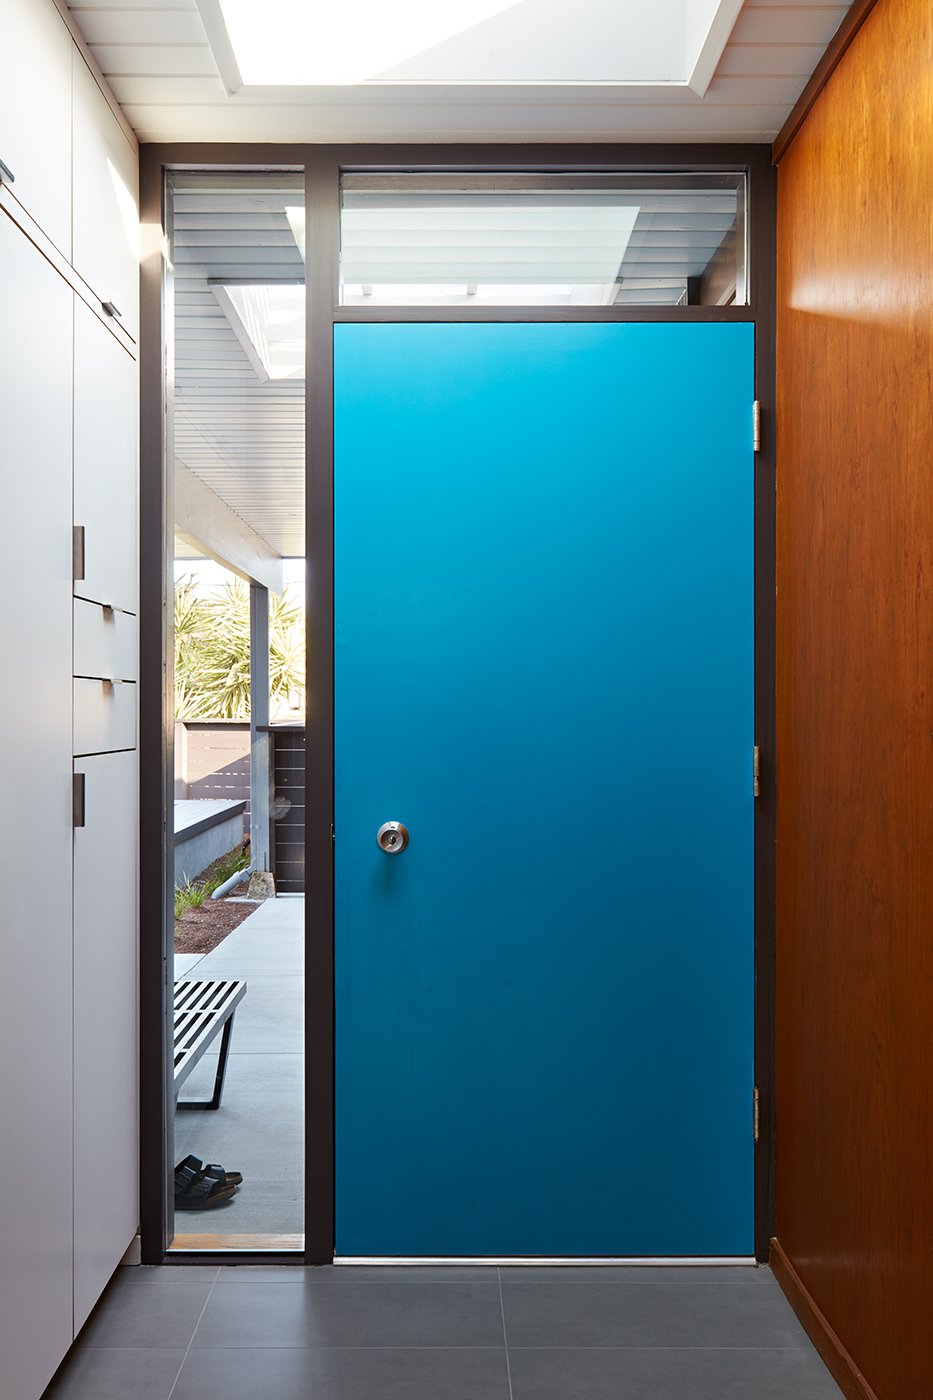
(220, 1075)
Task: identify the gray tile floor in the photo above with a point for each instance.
(255, 1333)
(259, 1127)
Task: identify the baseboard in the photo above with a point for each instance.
(843, 1369)
(133, 1255)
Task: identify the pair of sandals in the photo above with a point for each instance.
(199, 1186)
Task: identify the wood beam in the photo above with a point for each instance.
(206, 523)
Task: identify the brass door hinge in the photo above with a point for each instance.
(756, 771)
(756, 426)
(756, 1114)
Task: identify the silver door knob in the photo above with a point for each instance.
(392, 838)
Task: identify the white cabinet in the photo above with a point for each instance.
(35, 818)
(106, 1165)
(105, 447)
(106, 200)
(69, 1133)
(35, 114)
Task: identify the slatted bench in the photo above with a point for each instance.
(201, 1009)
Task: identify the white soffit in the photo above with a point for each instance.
(166, 74)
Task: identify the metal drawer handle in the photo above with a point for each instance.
(77, 552)
(111, 309)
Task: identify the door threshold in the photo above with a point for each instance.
(232, 1243)
(539, 1261)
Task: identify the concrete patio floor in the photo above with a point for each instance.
(259, 1127)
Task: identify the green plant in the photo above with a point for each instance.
(212, 653)
(189, 896)
(222, 869)
(192, 894)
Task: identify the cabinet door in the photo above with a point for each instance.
(105, 446)
(106, 200)
(36, 1245)
(35, 114)
(106, 1205)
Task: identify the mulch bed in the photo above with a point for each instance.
(200, 930)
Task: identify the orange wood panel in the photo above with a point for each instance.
(854, 975)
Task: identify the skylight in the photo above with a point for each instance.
(302, 43)
(294, 41)
(268, 320)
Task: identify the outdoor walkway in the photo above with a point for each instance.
(259, 1127)
(253, 1333)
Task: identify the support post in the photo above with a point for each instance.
(260, 740)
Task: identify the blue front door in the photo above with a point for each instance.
(544, 670)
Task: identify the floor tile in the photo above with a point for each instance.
(361, 1313)
(140, 1314)
(342, 1273)
(645, 1274)
(683, 1374)
(262, 1273)
(117, 1375)
(620, 1312)
(167, 1273)
(396, 1373)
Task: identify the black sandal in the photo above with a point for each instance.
(195, 1191)
(212, 1169)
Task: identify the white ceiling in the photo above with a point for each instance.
(242, 436)
(157, 59)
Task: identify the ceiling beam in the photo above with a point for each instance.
(204, 521)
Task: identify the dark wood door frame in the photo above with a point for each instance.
(323, 166)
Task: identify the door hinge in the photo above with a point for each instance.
(756, 771)
(756, 1114)
(756, 426)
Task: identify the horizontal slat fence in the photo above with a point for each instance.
(212, 760)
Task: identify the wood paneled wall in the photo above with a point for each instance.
(854, 1015)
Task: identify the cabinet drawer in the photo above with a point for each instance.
(105, 716)
(104, 642)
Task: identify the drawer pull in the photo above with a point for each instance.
(77, 552)
(111, 309)
(77, 799)
(6, 175)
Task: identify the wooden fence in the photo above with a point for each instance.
(212, 760)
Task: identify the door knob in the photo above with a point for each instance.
(392, 838)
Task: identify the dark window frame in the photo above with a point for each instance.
(323, 166)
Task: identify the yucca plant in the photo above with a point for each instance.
(212, 651)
